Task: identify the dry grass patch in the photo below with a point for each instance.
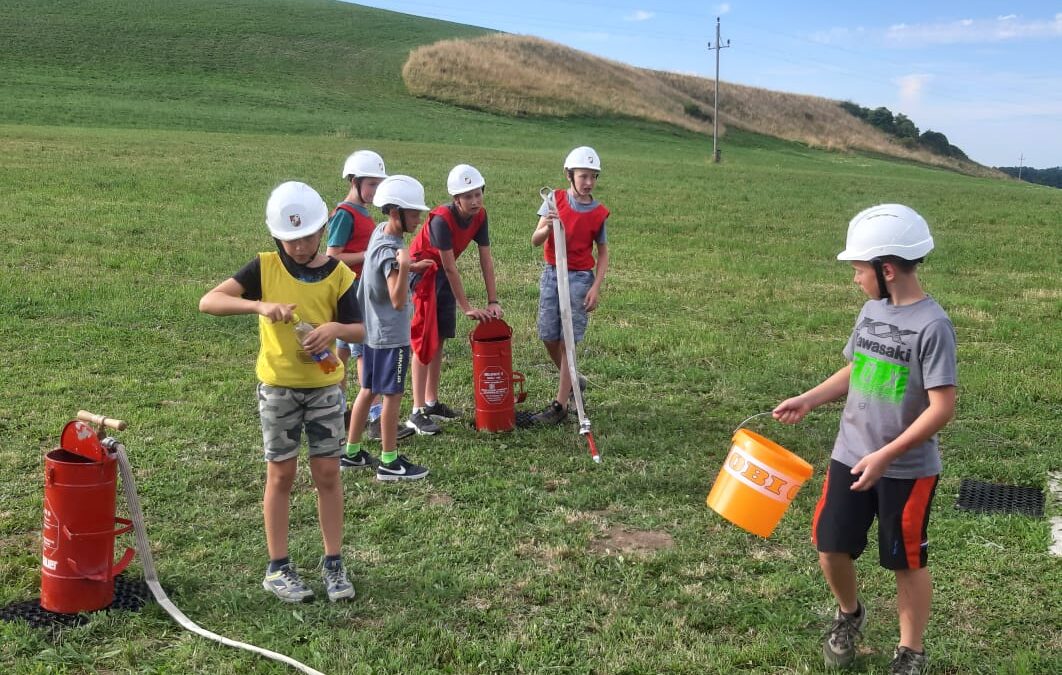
(625, 542)
(522, 75)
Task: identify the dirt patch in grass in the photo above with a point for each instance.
(618, 540)
(440, 499)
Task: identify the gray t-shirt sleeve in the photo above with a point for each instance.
(482, 237)
(938, 355)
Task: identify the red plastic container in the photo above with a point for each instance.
(77, 563)
(493, 378)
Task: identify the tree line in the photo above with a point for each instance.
(1051, 177)
(902, 128)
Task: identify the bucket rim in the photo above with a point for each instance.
(792, 462)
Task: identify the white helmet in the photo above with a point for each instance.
(464, 178)
(364, 164)
(295, 210)
(887, 229)
(583, 157)
(401, 191)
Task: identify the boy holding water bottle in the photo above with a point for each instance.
(300, 380)
(900, 385)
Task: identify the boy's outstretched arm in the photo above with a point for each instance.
(940, 411)
(792, 410)
(226, 299)
(486, 266)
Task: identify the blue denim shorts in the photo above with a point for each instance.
(355, 348)
(549, 321)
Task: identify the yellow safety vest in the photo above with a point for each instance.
(281, 359)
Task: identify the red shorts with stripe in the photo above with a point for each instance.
(843, 517)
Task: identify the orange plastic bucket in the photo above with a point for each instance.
(758, 480)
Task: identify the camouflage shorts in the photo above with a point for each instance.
(285, 411)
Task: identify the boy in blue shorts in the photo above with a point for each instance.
(584, 220)
(900, 384)
(384, 295)
(294, 393)
(349, 230)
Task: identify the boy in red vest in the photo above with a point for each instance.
(348, 236)
(448, 231)
(584, 220)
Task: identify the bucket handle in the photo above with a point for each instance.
(128, 525)
(518, 379)
(749, 419)
(116, 568)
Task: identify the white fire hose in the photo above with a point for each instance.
(143, 547)
(560, 247)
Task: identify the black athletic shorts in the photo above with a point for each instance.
(901, 505)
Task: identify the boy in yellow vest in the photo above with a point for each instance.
(294, 391)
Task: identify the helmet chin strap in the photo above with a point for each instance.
(289, 262)
(879, 272)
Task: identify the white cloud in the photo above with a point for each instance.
(724, 8)
(639, 15)
(1009, 27)
(911, 87)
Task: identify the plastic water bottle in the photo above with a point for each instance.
(325, 359)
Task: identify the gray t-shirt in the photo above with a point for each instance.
(385, 326)
(897, 353)
(579, 207)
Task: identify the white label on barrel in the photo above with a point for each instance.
(766, 480)
(48, 563)
(493, 385)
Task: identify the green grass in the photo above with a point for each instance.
(120, 210)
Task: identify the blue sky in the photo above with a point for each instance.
(987, 74)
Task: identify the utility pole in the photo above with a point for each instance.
(715, 115)
(1021, 161)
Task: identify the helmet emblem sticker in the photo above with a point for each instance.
(295, 220)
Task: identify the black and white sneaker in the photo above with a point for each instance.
(400, 469)
(440, 412)
(362, 460)
(372, 431)
(422, 424)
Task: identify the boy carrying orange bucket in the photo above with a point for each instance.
(900, 384)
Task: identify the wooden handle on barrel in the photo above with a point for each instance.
(92, 418)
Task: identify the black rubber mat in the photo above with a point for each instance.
(981, 497)
(523, 419)
(129, 594)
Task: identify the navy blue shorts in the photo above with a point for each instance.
(383, 371)
(901, 505)
(445, 304)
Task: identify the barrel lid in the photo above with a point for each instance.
(491, 330)
(81, 439)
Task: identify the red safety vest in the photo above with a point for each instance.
(421, 247)
(360, 232)
(581, 229)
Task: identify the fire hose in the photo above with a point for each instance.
(143, 547)
(560, 246)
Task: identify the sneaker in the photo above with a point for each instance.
(582, 390)
(337, 586)
(553, 414)
(839, 648)
(372, 432)
(908, 662)
(400, 469)
(287, 585)
(422, 424)
(440, 412)
(362, 460)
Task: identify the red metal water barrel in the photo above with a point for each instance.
(493, 378)
(77, 564)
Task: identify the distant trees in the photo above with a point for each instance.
(1050, 177)
(902, 128)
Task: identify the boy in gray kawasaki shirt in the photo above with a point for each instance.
(900, 384)
(384, 297)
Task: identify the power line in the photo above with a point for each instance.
(719, 46)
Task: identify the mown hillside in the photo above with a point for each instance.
(522, 75)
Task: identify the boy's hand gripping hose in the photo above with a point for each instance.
(143, 547)
(560, 247)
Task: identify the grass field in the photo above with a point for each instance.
(132, 185)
